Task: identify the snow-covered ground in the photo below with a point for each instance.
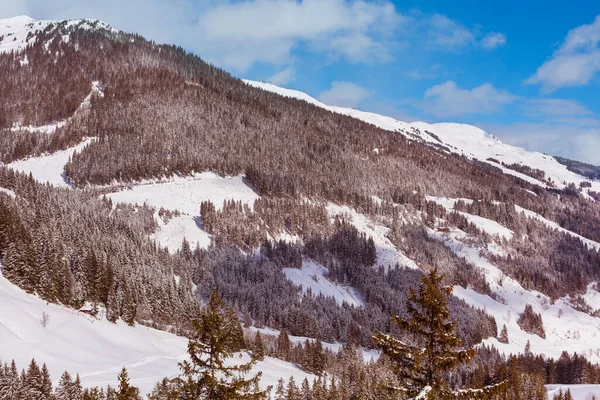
(463, 139)
(8, 192)
(98, 349)
(49, 168)
(579, 392)
(171, 234)
(488, 226)
(312, 275)
(185, 195)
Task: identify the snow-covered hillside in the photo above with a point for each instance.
(184, 195)
(312, 276)
(463, 139)
(98, 349)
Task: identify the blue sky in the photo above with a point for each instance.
(527, 72)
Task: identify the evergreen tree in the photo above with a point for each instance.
(10, 384)
(503, 338)
(126, 391)
(280, 392)
(46, 384)
(207, 376)
(283, 345)
(259, 350)
(421, 368)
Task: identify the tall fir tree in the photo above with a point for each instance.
(125, 390)
(206, 374)
(421, 368)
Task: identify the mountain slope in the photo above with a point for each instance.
(463, 139)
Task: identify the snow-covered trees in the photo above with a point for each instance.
(421, 367)
(531, 322)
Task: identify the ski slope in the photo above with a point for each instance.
(98, 349)
(467, 140)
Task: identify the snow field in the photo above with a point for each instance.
(566, 328)
(387, 254)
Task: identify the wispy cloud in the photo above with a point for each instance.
(344, 94)
(576, 61)
(493, 40)
(554, 108)
(282, 77)
(449, 100)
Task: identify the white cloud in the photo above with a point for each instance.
(448, 100)
(493, 40)
(282, 77)
(344, 94)
(448, 34)
(575, 63)
(241, 34)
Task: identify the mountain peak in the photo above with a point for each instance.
(16, 33)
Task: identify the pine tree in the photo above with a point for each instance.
(10, 382)
(292, 392)
(259, 350)
(46, 384)
(67, 389)
(503, 338)
(207, 376)
(421, 368)
(283, 345)
(126, 391)
(280, 390)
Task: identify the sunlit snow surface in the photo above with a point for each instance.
(98, 349)
(20, 32)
